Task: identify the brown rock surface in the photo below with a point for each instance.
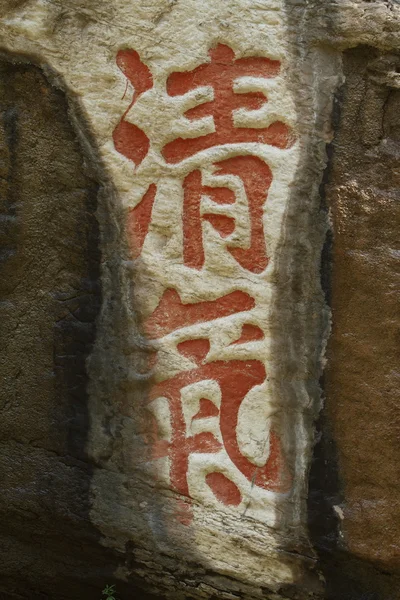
(50, 296)
(362, 378)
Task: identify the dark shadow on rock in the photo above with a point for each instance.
(360, 430)
(299, 314)
(354, 468)
(51, 296)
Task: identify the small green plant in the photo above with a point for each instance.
(109, 592)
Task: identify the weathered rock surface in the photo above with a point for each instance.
(167, 193)
(50, 297)
(361, 381)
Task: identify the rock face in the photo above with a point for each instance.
(51, 295)
(360, 381)
(189, 188)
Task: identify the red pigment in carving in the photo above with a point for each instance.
(219, 195)
(129, 140)
(235, 378)
(139, 220)
(224, 225)
(220, 73)
(256, 177)
(250, 100)
(172, 314)
(224, 489)
(136, 71)
(250, 333)
(196, 350)
(207, 409)
(184, 513)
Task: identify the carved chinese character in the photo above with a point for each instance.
(236, 180)
(256, 176)
(220, 73)
(235, 379)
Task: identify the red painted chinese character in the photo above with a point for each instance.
(221, 73)
(129, 140)
(256, 176)
(235, 378)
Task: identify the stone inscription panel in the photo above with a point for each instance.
(197, 231)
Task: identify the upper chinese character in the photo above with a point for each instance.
(221, 73)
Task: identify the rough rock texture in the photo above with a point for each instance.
(50, 297)
(93, 488)
(362, 376)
